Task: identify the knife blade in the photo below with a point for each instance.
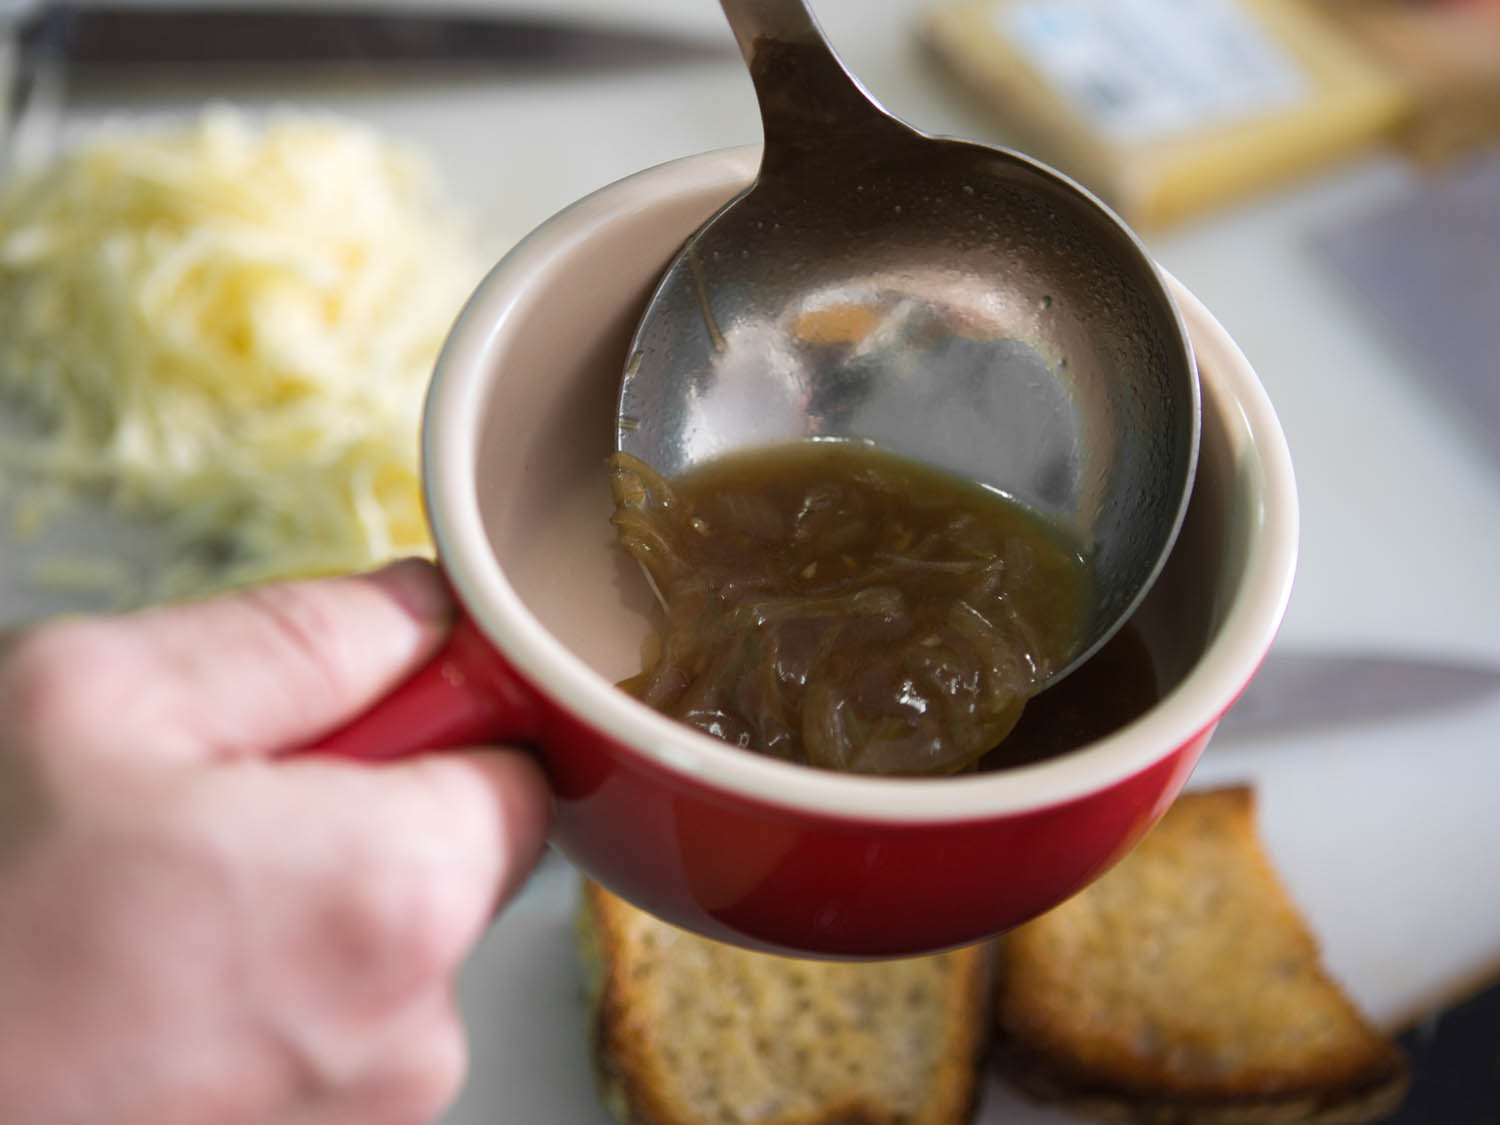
(86, 36)
(1298, 690)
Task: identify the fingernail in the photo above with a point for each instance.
(418, 587)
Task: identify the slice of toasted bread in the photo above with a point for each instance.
(1183, 987)
(688, 1031)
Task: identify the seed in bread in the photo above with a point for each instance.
(1183, 987)
(689, 1031)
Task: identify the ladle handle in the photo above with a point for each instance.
(809, 103)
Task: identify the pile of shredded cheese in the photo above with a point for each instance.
(227, 330)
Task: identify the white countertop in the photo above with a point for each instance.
(1386, 834)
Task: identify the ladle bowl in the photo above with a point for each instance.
(958, 304)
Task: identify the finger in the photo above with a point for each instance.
(244, 674)
(361, 887)
(411, 1073)
(417, 1070)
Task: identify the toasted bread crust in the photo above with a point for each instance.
(1183, 987)
(645, 1081)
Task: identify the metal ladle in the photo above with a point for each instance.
(958, 304)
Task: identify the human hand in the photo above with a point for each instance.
(193, 931)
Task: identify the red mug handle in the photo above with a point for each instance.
(463, 696)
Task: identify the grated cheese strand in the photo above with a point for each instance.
(227, 329)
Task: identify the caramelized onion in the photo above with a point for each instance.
(835, 605)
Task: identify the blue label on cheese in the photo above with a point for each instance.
(1140, 70)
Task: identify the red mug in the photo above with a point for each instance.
(734, 845)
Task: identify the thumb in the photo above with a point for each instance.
(258, 671)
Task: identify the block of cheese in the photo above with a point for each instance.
(1165, 107)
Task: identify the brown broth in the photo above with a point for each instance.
(836, 605)
(1113, 687)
